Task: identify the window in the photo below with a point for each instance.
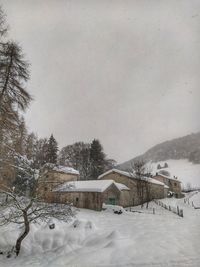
(77, 199)
(175, 184)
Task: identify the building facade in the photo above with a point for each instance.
(89, 194)
(174, 185)
(140, 190)
(51, 177)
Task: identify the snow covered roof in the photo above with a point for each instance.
(117, 171)
(130, 175)
(64, 169)
(89, 186)
(154, 181)
(168, 177)
(120, 186)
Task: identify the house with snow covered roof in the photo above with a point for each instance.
(53, 175)
(173, 183)
(90, 194)
(152, 188)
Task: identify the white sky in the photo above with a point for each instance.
(126, 72)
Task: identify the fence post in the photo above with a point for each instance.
(153, 210)
(169, 208)
(178, 210)
(181, 213)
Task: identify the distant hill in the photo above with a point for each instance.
(186, 147)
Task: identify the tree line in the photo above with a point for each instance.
(88, 158)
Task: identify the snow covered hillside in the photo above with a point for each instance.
(186, 171)
(138, 238)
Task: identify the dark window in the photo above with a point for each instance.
(175, 184)
(76, 199)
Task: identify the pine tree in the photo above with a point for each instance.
(166, 165)
(97, 158)
(52, 150)
(13, 75)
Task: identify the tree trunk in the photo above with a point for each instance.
(7, 75)
(23, 235)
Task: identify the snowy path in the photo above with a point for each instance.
(130, 239)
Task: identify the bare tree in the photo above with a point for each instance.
(24, 211)
(141, 172)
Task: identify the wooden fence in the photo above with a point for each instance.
(175, 210)
(189, 202)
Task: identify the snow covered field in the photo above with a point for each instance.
(106, 239)
(186, 171)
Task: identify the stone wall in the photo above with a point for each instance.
(49, 180)
(87, 200)
(156, 191)
(174, 185)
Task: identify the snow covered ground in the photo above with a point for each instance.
(186, 171)
(138, 238)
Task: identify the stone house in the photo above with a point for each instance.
(90, 194)
(174, 185)
(152, 189)
(52, 176)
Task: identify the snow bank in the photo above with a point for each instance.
(106, 239)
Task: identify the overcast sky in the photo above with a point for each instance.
(125, 72)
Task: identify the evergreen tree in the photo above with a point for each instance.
(159, 166)
(25, 181)
(13, 75)
(52, 150)
(14, 98)
(97, 158)
(166, 165)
